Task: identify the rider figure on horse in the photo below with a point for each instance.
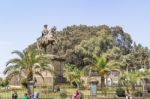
(45, 30)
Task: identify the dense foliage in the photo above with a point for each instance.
(26, 65)
(3, 82)
(81, 43)
(120, 92)
(84, 46)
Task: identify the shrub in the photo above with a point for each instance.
(81, 95)
(4, 83)
(63, 94)
(24, 82)
(66, 85)
(137, 93)
(148, 88)
(120, 92)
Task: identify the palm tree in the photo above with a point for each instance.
(129, 79)
(100, 65)
(72, 74)
(68, 73)
(26, 65)
(103, 67)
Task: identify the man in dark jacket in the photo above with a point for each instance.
(14, 95)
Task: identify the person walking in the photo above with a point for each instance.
(25, 96)
(14, 95)
(76, 95)
(128, 94)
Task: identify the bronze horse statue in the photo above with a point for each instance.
(44, 42)
(47, 39)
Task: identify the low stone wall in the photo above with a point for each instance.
(147, 95)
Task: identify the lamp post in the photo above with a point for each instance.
(93, 86)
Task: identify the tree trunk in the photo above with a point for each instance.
(30, 83)
(45, 49)
(102, 82)
(103, 86)
(133, 87)
(30, 87)
(30, 75)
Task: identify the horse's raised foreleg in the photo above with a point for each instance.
(38, 46)
(45, 49)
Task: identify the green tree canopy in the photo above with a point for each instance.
(26, 64)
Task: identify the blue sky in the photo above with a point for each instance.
(21, 21)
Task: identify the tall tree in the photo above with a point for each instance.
(26, 64)
(73, 75)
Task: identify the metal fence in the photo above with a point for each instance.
(47, 94)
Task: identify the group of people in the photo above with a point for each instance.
(76, 95)
(15, 95)
(25, 96)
